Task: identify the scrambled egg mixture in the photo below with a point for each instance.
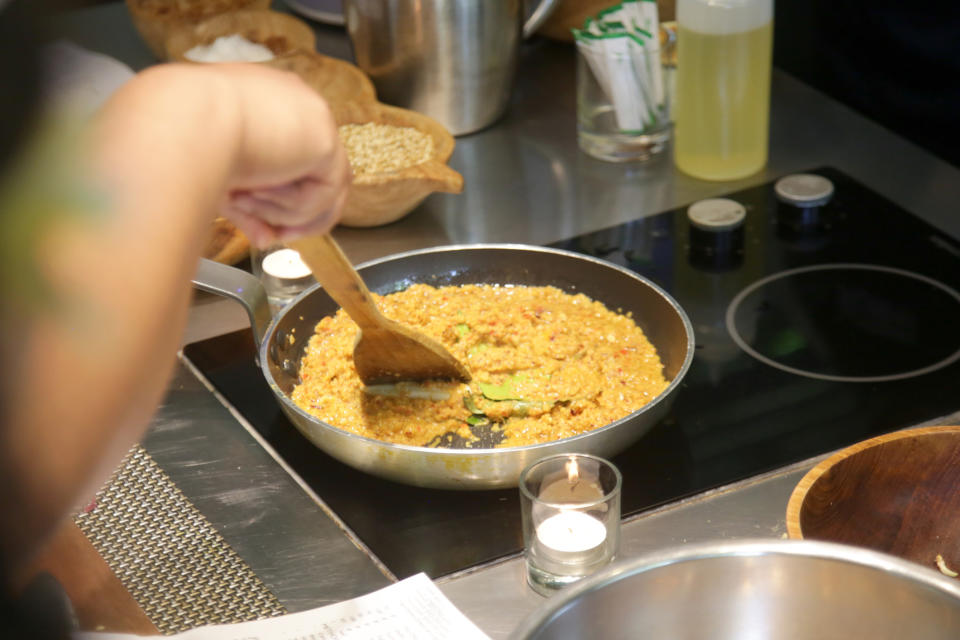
(546, 365)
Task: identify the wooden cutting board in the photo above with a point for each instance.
(99, 599)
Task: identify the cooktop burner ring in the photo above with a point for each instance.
(747, 348)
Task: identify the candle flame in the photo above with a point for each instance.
(573, 471)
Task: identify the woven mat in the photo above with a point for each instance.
(173, 562)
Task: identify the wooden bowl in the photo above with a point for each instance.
(226, 243)
(155, 20)
(279, 32)
(338, 81)
(376, 199)
(898, 493)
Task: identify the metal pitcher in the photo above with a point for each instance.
(453, 60)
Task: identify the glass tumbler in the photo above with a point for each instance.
(570, 505)
(620, 116)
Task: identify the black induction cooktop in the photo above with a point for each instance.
(816, 326)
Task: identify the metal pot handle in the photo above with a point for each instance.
(241, 286)
(539, 16)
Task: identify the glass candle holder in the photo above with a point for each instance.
(570, 505)
(283, 274)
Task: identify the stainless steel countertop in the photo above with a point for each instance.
(525, 181)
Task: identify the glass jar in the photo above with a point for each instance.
(722, 106)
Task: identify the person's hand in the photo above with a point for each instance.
(292, 174)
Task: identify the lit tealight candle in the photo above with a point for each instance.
(285, 264)
(572, 487)
(571, 535)
(284, 275)
(571, 518)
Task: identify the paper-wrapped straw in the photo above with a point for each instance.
(621, 47)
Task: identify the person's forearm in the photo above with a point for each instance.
(157, 159)
(172, 148)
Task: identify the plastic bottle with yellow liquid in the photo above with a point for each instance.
(722, 106)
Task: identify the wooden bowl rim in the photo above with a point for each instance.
(312, 66)
(296, 24)
(136, 7)
(235, 246)
(799, 494)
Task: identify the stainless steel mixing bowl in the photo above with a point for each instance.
(753, 590)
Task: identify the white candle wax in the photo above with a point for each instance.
(285, 264)
(570, 535)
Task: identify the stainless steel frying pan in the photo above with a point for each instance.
(281, 342)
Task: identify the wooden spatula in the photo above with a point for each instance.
(386, 351)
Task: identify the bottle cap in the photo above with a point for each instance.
(716, 214)
(804, 190)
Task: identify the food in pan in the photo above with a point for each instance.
(546, 365)
(944, 569)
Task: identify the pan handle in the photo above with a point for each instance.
(241, 286)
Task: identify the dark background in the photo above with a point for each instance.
(895, 61)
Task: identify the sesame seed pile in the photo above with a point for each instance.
(380, 148)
